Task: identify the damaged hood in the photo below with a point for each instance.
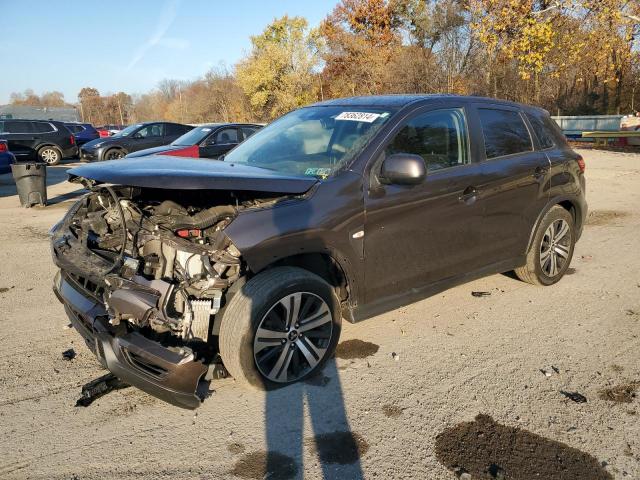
(191, 174)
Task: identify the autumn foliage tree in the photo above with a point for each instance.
(278, 75)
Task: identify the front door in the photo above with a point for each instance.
(149, 136)
(219, 142)
(418, 235)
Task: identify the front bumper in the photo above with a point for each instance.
(172, 375)
(89, 155)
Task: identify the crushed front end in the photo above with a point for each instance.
(143, 272)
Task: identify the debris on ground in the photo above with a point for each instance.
(620, 393)
(69, 354)
(481, 294)
(97, 388)
(395, 356)
(486, 449)
(6, 289)
(574, 396)
(548, 371)
(355, 348)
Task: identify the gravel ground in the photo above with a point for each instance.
(452, 385)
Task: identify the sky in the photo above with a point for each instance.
(116, 45)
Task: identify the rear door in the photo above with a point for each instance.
(20, 137)
(514, 186)
(172, 131)
(417, 235)
(219, 142)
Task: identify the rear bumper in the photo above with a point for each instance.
(172, 375)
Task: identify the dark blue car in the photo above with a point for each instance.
(6, 158)
(83, 132)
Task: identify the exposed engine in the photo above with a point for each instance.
(171, 262)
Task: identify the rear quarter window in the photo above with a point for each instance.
(505, 132)
(541, 130)
(42, 127)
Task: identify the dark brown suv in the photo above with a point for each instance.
(174, 271)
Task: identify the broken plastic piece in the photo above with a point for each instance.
(574, 396)
(99, 387)
(481, 294)
(69, 354)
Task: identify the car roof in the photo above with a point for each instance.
(402, 100)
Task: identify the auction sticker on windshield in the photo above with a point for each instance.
(358, 116)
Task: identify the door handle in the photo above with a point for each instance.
(469, 195)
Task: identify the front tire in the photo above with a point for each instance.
(114, 154)
(551, 250)
(50, 155)
(280, 328)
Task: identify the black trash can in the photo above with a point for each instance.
(31, 182)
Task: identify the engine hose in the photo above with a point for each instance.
(123, 222)
(202, 219)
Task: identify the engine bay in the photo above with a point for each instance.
(167, 262)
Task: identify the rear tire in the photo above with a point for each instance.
(265, 305)
(551, 250)
(50, 155)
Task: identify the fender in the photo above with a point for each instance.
(577, 203)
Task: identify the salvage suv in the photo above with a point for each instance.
(174, 271)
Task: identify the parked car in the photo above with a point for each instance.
(83, 132)
(206, 141)
(631, 122)
(343, 209)
(6, 158)
(46, 140)
(133, 138)
(109, 130)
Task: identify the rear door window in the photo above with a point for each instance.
(505, 132)
(172, 130)
(440, 137)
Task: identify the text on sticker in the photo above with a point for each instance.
(358, 116)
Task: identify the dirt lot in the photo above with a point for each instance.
(453, 385)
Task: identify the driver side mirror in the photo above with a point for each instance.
(403, 169)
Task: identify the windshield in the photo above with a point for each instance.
(193, 136)
(314, 141)
(127, 131)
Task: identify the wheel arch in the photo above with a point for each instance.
(570, 204)
(330, 267)
(112, 147)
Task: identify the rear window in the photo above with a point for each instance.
(75, 128)
(42, 127)
(545, 136)
(504, 132)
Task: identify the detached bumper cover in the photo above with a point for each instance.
(171, 375)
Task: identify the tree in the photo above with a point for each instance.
(278, 75)
(91, 107)
(361, 37)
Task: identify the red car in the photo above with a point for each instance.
(108, 130)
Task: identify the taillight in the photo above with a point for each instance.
(73, 140)
(3, 147)
(581, 163)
